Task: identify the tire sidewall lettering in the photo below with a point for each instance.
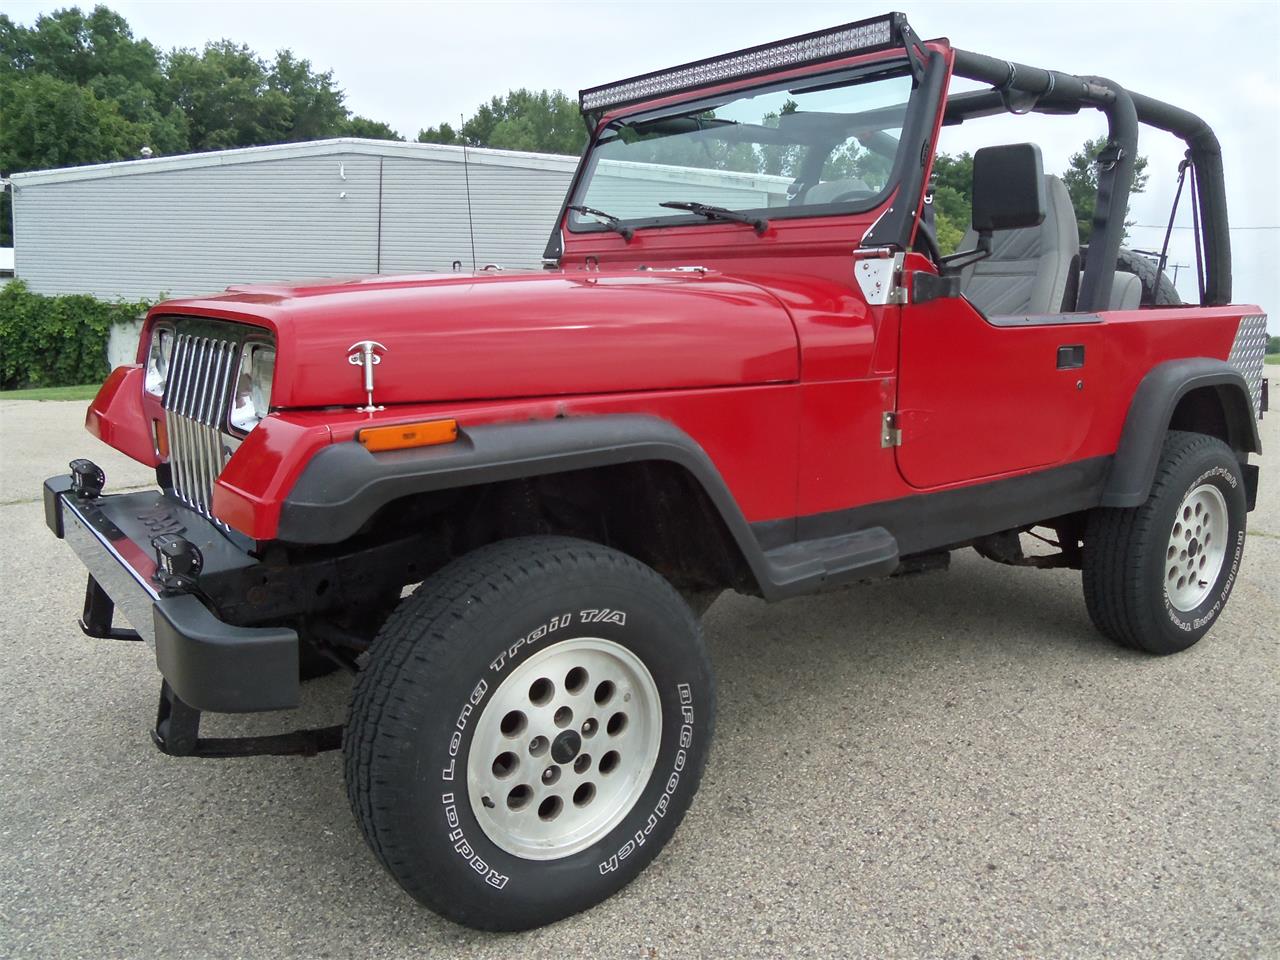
(463, 832)
(1198, 620)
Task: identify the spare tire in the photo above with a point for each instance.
(1157, 288)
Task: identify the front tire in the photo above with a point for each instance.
(1157, 576)
(530, 730)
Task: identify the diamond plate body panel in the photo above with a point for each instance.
(1248, 352)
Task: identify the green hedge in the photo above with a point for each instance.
(55, 341)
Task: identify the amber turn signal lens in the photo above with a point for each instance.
(402, 436)
(160, 438)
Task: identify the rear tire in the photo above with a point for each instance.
(530, 729)
(1157, 576)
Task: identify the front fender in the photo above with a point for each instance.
(344, 484)
(117, 418)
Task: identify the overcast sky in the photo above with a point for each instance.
(417, 64)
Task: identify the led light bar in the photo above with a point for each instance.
(860, 37)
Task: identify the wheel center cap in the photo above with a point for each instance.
(566, 746)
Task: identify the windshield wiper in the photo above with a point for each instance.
(608, 219)
(717, 213)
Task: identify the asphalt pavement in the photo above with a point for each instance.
(952, 765)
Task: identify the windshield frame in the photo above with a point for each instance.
(895, 65)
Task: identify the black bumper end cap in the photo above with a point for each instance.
(218, 667)
(53, 488)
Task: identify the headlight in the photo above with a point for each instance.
(158, 355)
(252, 400)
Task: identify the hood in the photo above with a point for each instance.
(474, 337)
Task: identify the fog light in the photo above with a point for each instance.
(178, 561)
(87, 479)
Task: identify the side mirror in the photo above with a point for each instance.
(1008, 188)
(1008, 193)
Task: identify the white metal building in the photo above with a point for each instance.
(194, 224)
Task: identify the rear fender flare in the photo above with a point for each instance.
(1134, 467)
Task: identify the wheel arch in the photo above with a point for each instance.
(634, 482)
(1199, 395)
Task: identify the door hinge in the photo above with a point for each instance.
(890, 431)
(878, 272)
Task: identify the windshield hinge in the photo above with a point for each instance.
(878, 271)
(890, 431)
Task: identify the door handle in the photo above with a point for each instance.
(1071, 357)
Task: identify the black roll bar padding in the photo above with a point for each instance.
(1049, 85)
(1114, 182)
(1206, 155)
(1066, 90)
(990, 103)
(1050, 88)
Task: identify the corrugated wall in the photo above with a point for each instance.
(627, 194)
(196, 230)
(424, 214)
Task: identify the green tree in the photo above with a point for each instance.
(952, 199)
(1273, 344)
(224, 94)
(442, 134)
(79, 88)
(316, 110)
(47, 122)
(1081, 178)
(98, 52)
(369, 129)
(953, 191)
(776, 159)
(541, 121)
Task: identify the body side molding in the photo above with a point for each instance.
(1151, 411)
(943, 519)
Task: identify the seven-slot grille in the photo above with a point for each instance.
(201, 373)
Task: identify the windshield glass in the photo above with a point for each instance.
(826, 145)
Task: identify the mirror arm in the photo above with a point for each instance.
(955, 262)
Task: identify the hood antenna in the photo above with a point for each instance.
(466, 173)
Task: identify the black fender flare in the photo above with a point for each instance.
(1133, 468)
(344, 484)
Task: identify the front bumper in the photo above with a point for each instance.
(209, 664)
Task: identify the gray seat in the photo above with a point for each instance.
(1028, 269)
(1126, 292)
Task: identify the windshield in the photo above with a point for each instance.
(826, 145)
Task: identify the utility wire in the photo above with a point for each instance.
(1162, 226)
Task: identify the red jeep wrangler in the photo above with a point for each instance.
(747, 366)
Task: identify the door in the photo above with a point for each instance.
(980, 398)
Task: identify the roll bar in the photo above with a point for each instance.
(1020, 88)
